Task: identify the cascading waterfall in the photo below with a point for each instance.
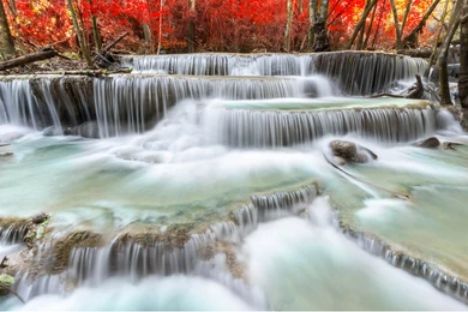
(344, 67)
(243, 127)
(162, 253)
(199, 159)
(125, 104)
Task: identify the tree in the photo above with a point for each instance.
(161, 6)
(463, 80)
(411, 39)
(362, 21)
(94, 23)
(318, 17)
(287, 29)
(82, 42)
(442, 61)
(191, 28)
(7, 46)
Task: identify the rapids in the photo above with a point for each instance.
(207, 182)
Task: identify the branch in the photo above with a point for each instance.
(41, 55)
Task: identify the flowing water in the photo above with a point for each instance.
(206, 182)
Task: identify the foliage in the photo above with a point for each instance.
(219, 25)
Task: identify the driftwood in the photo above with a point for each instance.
(105, 59)
(41, 55)
(414, 92)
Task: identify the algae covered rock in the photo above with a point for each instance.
(6, 284)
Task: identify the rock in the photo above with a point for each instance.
(345, 151)
(6, 284)
(431, 142)
(5, 150)
(40, 218)
(450, 145)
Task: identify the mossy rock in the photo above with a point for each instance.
(6, 284)
(64, 246)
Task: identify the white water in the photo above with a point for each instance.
(165, 162)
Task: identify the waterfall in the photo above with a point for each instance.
(103, 107)
(223, 64)
(358, 73)
(259, 128)
(172, 251)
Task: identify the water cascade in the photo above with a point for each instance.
(343, 67)
(216, 172)
(249, 124)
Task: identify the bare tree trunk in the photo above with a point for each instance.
(369, 29)
(433, 57)
(405, 16)
(149, 45)
(313, 7)
(287, 29)
(191, 30)
(411, 38)
(86, 54)
(442, 61)
(96, 34)
(397, 24)
(377, 32)
(320, 28)
(161, 5)
(7, 45)
(463, 80)
(362, 21)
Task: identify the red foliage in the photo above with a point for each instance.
(220, 25)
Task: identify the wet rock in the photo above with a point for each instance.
(450, 145)
(5, 150)
(64, 246)
(431, 142)
(345, 151)
(6, 284)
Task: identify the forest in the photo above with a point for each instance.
(208, 155)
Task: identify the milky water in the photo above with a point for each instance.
(248, 193)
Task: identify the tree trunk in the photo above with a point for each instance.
(397, 24)
(442, 61)
(377, 32)
(434, 54)
(85, 53)
(411, 39)
(149, 46)
(7, 46)
(191, 28)
(369, 29)
(463, 79)
(320, 28)
(96, 34)
(405, 16)
(287, 29)
(362, 21)
(94, 24)
(161, 5)
(313, 7)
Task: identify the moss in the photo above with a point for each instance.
(63, 247)
(6, 284)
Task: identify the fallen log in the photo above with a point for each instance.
(416, 91)
(103, 58)
(41, 55)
